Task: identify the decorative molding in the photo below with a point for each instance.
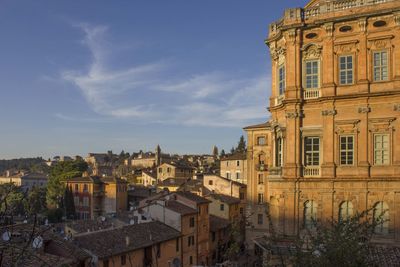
(293, 115)
(396, 107)
(329, 29)
(381, 124)
(397, 18)
(346, 126)
(346, 47)
(364, 109)
(362, 23)
(278, 53)
(380, 44)
(329, 112)
(312, 51)
(292, 35)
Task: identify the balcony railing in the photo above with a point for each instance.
(311, 171)
(311, 93)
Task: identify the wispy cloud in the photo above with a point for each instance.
(142, 93)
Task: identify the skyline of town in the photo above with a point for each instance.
(98, 77)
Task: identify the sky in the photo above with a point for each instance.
(91, 76)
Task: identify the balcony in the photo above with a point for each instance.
(311, 93)
(311, 171)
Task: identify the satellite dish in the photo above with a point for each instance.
(6, 236)
(132, 222)
(46, 222)
(37, 242)
(103, 219)
(25, 221)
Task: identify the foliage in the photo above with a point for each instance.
(11, 200)
(36, 201)
(19, 164)
(215, 151)
(60, 172)
(69, 204)
(54, 215)
(341, 243)
(241, 147)
(222, 153)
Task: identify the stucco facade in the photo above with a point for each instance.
(334, 134)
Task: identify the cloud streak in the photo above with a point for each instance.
(141, 92)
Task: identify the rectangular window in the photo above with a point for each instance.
(261, 141)
(123, 259)
(281, 79)
(210, 182)
(346, 150)
(237, 163)
(190, 260)
(191, 222)
(190, 241)
(228, 175)
(311, 151)
(260, 178)
(241, 195)
(380, 62)
(237, 175)
(279, 149)
(177, 245)
(222, 207)
(312, 74)
(381, 149)
(260, 219)
(346, 72)
(260, 198)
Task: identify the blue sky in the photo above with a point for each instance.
(89, 76)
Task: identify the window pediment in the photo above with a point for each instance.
(381, 124)
(346, 126)
(311, 51)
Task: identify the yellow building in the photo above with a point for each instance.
(333, 140)
(174, 170)
(234, 167)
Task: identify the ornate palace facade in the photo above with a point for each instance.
(332, 144)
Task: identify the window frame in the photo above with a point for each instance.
(346, 150)
(281, 79)
(382, 149)
(380, 67)
(260, 198)
(346, 70)
(318, 74)
(279, 152)
(312, 152)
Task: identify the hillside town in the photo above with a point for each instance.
(315, 184)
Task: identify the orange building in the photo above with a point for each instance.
(333, 140)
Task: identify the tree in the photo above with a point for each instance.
(340, 243)
(11, 200)
(232, 150)
(222, 153)
(241, 147)
(36, 201)
(69, 204)
(59, 173)
(215, 151)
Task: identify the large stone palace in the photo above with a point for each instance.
(331, 146)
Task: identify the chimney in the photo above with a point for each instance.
(127, 241)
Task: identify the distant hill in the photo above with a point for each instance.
(30, 164)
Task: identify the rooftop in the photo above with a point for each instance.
(180, 208)
(226, 199)
(127, 238)
(256, 126)
(235, 156)
(193, 197)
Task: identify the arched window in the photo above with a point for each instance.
(310, 213)
(345, 210)
(261, 159)
(381, 216)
